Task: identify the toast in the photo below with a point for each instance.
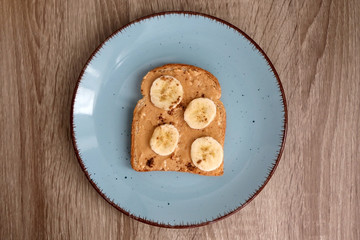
(196, 83)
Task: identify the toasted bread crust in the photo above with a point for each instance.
(142, 157)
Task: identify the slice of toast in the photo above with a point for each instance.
(196, 82)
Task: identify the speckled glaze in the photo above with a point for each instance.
(107, 92)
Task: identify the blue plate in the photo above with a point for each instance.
(109, 88)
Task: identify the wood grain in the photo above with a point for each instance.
(314, 45)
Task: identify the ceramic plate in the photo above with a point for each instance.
(109, 88)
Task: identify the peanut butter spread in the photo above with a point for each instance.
(196, 83)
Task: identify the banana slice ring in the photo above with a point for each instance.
(166, 92)
(200, 113)
(164, 139)
(207, 153)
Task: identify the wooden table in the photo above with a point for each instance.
(315, 47)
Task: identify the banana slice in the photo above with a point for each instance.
(207, 153)
(164, 139)
(200, 112)
(166, 92)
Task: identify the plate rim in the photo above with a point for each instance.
(185, 13)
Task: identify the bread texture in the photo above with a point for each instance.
(196, 83)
